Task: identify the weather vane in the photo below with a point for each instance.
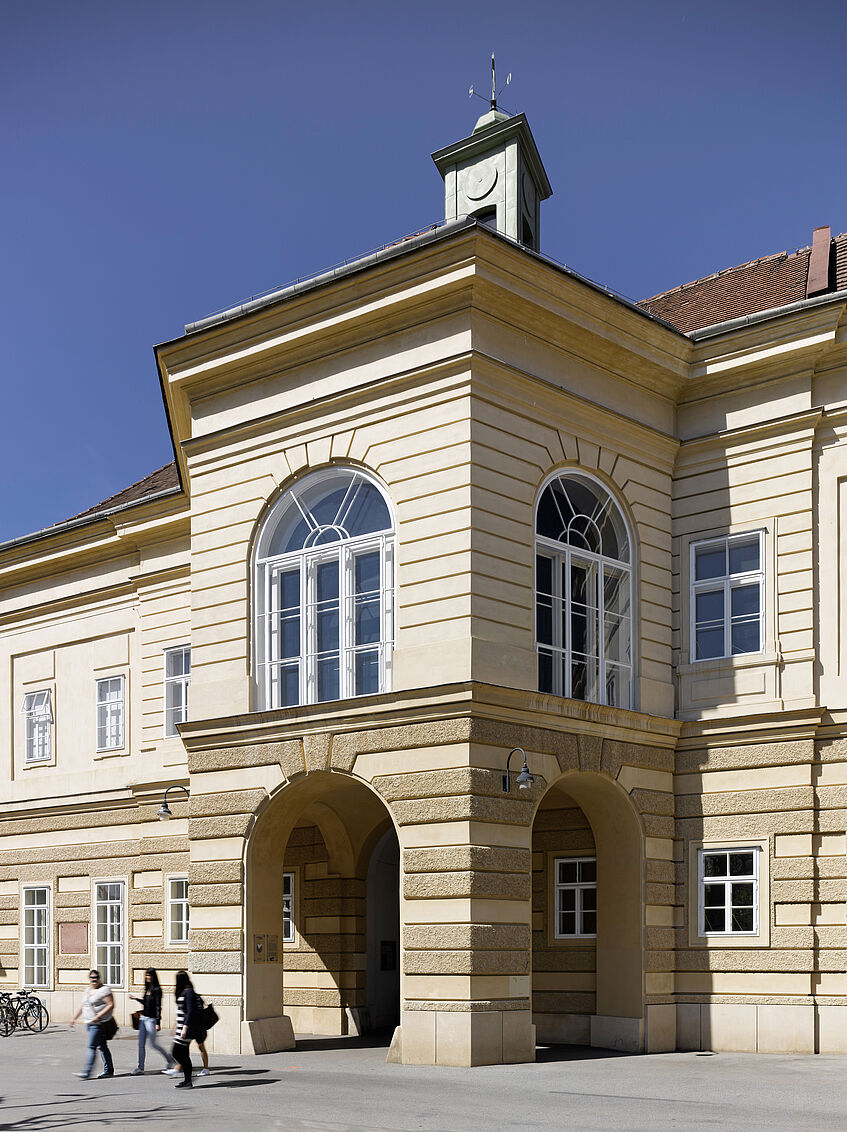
(495, 93)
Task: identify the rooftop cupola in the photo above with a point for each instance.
(496, 175)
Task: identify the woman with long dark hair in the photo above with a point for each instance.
(188, 1026)
(150, 1020)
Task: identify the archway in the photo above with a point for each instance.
(588, 950)
(323, 850)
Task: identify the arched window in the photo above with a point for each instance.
(583, 588)
(324, 585)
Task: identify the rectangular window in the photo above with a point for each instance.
(36, 937)
(109, 921)
(110, 713)
(727, 596)
(178, 913)
(729, 891)
(288, 907)
(37, 709)
(177, 679)
(576, 897)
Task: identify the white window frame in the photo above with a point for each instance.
(305, 563)
(563, 555)
(727, 883)
(120, 944)
(289, 930)
(178, 902)
(578, 888)
(37, 710)
(183, 680)
(726, 584)
(28, 949)
(109, 711)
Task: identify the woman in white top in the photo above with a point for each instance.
(96, 1008)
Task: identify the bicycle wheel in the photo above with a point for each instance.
(7, 1021)
(36, 1016)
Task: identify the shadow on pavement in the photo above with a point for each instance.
(576, 1053)
(379, 1040)
(68, 1118)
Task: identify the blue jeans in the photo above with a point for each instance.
(147, 1033)
(97, 1041)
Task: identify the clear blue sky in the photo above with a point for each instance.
(161, 160)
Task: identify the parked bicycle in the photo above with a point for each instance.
(22, 1011)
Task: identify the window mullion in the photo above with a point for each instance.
(265, 679)
(565, 572)
(308, 629)
(601, 634)
(346, 617)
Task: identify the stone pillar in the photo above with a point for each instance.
(465, 919)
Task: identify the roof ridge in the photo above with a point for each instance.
(726, 271)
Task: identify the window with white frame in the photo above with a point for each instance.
(583, 588)
(110, 713)
(728, 891)
(37, 710)
(324, 591)
(177, 681)
(178, 910)
(109, 931)
(727, 596)
(36, 917)
(288, 907)
(576, 897)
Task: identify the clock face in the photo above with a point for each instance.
(480, 180)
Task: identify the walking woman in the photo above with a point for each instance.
(96, 1010)
(150, 1021)
(188, 1026)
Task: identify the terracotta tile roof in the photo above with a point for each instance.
(749, 288)
(164, 479)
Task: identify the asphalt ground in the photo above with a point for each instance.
(344, 1084)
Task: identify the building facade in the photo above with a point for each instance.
(450, 501)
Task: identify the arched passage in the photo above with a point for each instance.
(588, 948)
(309, 881)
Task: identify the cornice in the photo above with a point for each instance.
(738, 731)
(425, 705)
(802, 425)
(105, 539)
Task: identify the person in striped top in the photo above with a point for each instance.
(189, 1024)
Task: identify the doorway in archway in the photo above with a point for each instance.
(383, 934)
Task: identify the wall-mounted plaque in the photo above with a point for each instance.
(259, 949)
(73, 939)
(272, 955)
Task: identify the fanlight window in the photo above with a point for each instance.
(324, 586)
(583, 580)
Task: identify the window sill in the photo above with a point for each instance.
(727, 663)
(31, 764)
(117, 753)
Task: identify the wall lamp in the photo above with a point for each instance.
(164, 811)
(524, 778)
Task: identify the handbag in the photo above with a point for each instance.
(210, 1016)
(109, 1028)
(136, 1014)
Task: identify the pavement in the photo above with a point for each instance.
(332, 1084)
